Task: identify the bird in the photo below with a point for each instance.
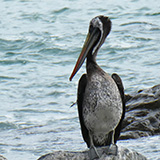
(100, 97)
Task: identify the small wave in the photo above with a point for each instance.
(152, 64)
(51, 51)
(53, 103)
(153, 14)
(38, 111)
(58, 85)
(32, 17)
(27, 110)
(55, 94)
(142, 39)
(136, 23)
(11, 45)
(155, 29)
(11, 62)
(6, 78)
(60, 10)
(9, 54)
(14, 47)
(7, 125)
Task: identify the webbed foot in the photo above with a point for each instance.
(93, 154)
(112, 150)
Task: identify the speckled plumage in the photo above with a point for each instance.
(102, 105)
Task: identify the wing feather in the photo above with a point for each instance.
(80, 96)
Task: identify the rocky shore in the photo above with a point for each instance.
(142, 119)
(123, 154)
(142, 114)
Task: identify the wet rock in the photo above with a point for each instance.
(142, 114)
(2, 158)
(142, 119)
(123, 153)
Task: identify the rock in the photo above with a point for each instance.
(142, 116)
(123, 153)
(2, 158)
(142, 119)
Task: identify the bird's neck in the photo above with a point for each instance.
(91, 64)
(92, 67)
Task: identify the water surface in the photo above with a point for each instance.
(39, 44)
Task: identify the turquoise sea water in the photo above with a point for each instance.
(39, 44)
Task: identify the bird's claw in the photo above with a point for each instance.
(93, 154)
(112, 150)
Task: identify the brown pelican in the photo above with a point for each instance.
(100, 96)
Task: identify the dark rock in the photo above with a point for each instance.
(142, 119)
(142, 114)
(123, 153)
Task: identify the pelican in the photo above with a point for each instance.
(100, 96)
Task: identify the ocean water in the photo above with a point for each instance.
(39, 45)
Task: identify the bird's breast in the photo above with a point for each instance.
(102, 105)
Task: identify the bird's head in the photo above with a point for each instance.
(99, 28)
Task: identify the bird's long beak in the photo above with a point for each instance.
(91, 40)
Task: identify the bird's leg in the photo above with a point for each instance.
(113, 149)
(93, 154)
